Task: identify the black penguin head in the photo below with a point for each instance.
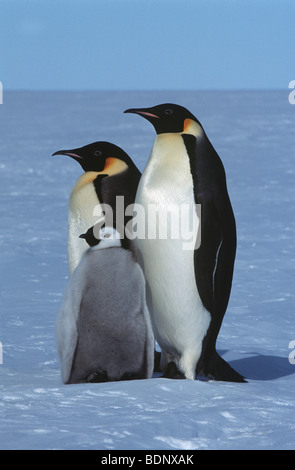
(166, 118)
(97, 156)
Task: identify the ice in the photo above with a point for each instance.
(254, 134)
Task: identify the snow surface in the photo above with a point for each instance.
(254, 134)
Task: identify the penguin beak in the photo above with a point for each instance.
(69, 153)
(142, 112)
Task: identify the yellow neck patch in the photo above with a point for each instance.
(191, 127)
(85, 179)
(114, 166)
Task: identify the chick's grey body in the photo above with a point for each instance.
(103, 329)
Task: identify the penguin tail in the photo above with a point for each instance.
(218, 369)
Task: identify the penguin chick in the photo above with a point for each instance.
(104, 331)
(109, 172)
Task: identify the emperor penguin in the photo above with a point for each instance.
(187, 289)
(104, 331)
(108, 173)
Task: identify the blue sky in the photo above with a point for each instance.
(147, 44)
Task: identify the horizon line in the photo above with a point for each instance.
(141, 90)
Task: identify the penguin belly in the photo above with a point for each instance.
(84, 212)
(180, 321)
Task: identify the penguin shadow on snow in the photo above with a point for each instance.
(262, 367)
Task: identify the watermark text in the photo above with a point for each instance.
(292, 94)
(292, 353)
(180, 222)
(150, 459)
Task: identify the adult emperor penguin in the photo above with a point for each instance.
(109, 172)
(187, 290)
(104, 332)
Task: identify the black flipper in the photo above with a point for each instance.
(214, 259)
(124, 184)
(108, 188)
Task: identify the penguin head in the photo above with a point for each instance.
(168, 118)
(99, 157)
(90, 237)
(103, 237)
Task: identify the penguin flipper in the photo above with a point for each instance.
(214, 259)
(66, 325)
(67, 342)
(122, 185)
(207, 257)
(214, 263)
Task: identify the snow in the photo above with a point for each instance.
(254, 134)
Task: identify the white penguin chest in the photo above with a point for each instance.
(168, 171)
(84, 212)
(179, 318)
(166, 189)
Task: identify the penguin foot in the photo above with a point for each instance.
(97, 377)
(218, 369)
(131, 376)
(172, 372)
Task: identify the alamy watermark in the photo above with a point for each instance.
(1, 353)
(1, 93)
(292, 94)
(154, 221)
(292, 353)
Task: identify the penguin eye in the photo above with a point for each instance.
(168, 112)
(97, 153)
